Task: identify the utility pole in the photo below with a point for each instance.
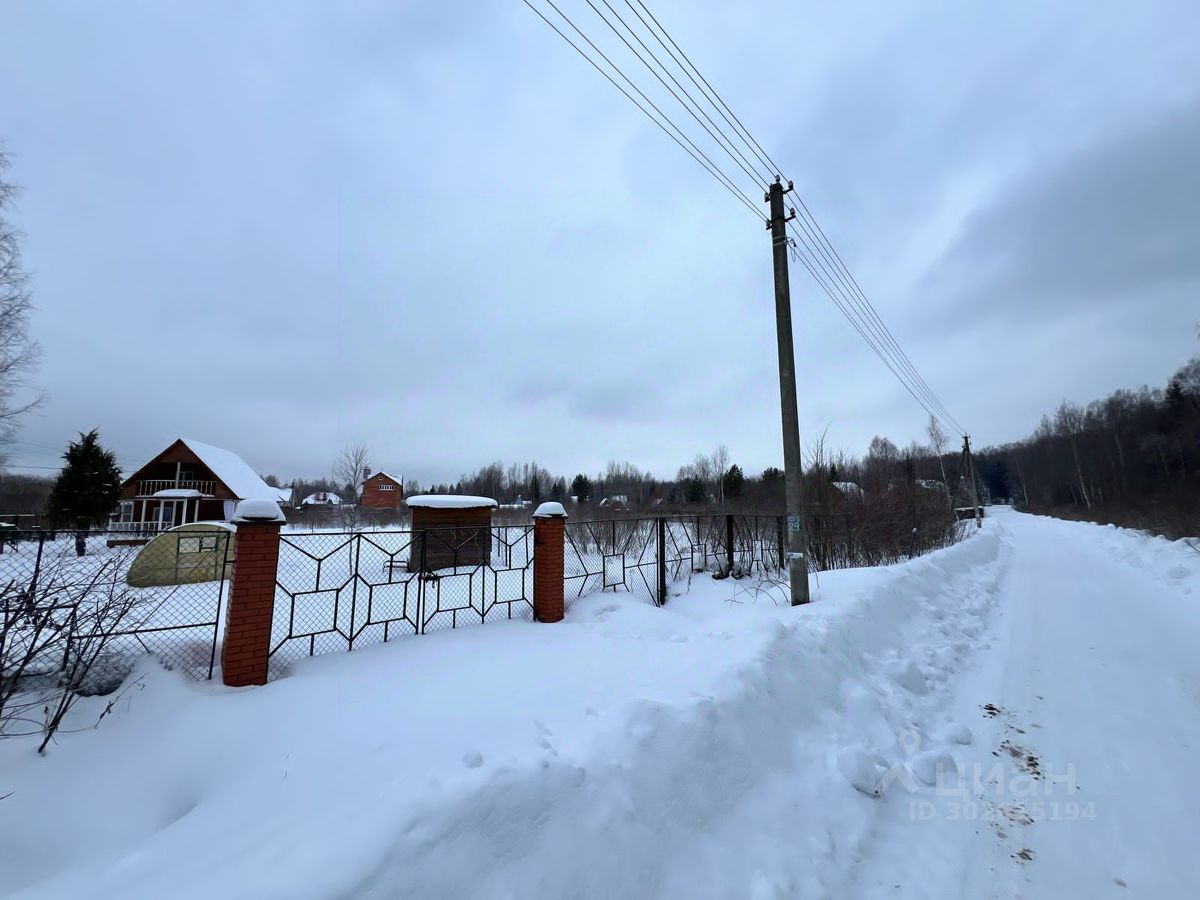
(793, 468)
(969, 464)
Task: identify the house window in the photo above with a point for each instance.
(126, 511)
(386, 487)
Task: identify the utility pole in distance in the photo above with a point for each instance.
(969, 463)
(793, 466)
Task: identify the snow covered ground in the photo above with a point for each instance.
(1013, 716)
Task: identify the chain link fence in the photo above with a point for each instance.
(119, 597)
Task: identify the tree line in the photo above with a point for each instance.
(1132, 458)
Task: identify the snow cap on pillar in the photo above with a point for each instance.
(258, 510)
(550, 510)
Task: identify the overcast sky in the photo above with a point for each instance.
(430, 227)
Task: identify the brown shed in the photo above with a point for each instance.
(450, 530)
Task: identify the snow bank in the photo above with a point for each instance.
(449, 501)
(629, 751)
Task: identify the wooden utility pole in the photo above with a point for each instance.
(793, 469)
(969, 463)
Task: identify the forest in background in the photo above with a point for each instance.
(1130, 459)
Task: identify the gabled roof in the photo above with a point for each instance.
(226, 466)
(232, 471)
(385, 475)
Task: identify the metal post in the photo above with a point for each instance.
(729, 543)
(662, 561)
(792, 463)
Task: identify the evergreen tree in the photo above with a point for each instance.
(833, 473)
(696, 491)
(581, 488)
(734, 481)
(87, 489)
(535, 489)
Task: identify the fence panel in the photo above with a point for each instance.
(644, 556)
(337, 591)
(117, 600)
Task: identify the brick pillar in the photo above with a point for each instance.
(251, 594)
(549, 535)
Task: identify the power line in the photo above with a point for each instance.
(743, 130)
(865, 314)
(699, 155)
(719, 136)
(855, 295)
(822, 260)
(868, 309)
(832, 262)
(856, 324)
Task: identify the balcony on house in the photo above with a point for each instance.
(150, 487)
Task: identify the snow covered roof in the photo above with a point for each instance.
(283, 494)
(321, 497)
(394, 478)
(232, 471)
(847, 487)
(450, 501)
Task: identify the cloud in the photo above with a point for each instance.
(445, 236)
(1118, 221)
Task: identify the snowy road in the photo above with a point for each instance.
(1090, 701)
(1014, 716)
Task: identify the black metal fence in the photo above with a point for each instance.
(121, 599)
(337, 591)
(646, 555)
(340, 591)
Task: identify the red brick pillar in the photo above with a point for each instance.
(549, 535)
(251, 594)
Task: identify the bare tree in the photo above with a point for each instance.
(18, 354)
(937, 446)
(57, 628)
(720, 465)
(349, 466)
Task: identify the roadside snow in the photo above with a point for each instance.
(722, 746)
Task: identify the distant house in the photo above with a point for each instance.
(283, 495)
(190, 481)
(322, 498)
(849, 488)
(382, 491)
(616, 501)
